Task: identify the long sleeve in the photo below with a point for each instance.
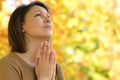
(8, 71)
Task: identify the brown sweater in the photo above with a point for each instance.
(12, 67)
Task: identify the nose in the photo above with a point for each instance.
(47, 20)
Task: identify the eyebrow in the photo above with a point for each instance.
(40, 11)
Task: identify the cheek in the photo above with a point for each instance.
(33, 24)
(33, 29)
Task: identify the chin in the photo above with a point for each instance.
(48, 36)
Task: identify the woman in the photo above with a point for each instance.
(32, 56)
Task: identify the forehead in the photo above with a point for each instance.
(36, 8)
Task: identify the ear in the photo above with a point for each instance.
(23, 29)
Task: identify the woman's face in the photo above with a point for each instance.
(38, 23)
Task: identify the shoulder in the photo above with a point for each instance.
(5, 64)
(8, 61)
(9, 70)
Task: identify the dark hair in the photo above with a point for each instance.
(16, 36)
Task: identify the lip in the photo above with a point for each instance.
(48, 27)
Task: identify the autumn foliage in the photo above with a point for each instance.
(86, 37)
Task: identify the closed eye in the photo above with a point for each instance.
(41, 15)
(49, 16)
(37, 15)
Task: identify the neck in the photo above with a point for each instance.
(33, 45)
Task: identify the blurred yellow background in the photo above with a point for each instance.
(86, 36)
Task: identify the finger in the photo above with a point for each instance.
(48, 51)
(37, 55)
(54, 52)
(51, 45)
(45, 50)
(52, 57)
(40, 53)
(54, 70)
(51, 51)
(55, 56)
(54, 67)
(42, 50)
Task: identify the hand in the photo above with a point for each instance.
(45, 62)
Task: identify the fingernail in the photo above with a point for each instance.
(46, 42)
(49, 43)
(42, 43)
